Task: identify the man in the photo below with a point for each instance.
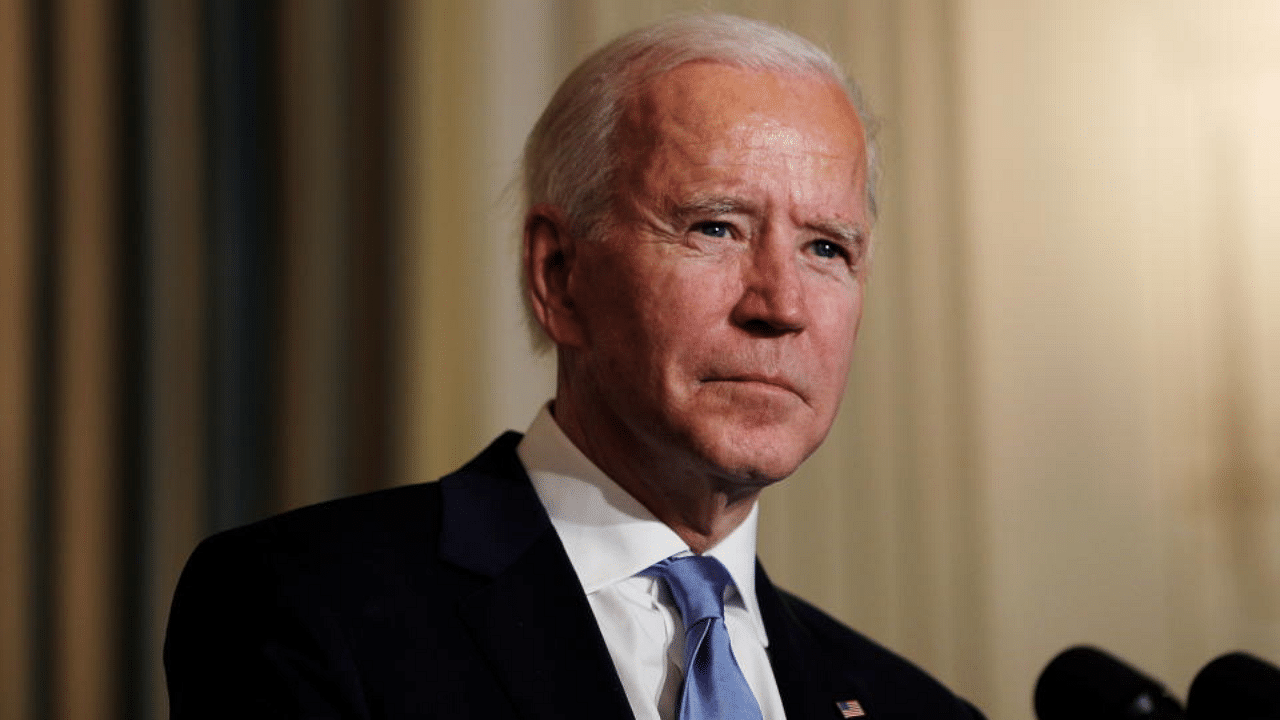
(695, 247)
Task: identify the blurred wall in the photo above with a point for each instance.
(255, 255)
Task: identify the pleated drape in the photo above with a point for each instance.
(198, 296)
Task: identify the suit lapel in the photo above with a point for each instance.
(529, 615)
(804, 680)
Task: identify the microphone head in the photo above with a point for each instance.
(1085, 682)
(1237, 686)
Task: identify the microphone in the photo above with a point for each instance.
(1236, 686)
(1085, 682)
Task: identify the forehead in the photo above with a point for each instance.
(709, 114)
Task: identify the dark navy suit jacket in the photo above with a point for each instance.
(455, 599)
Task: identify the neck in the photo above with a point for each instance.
(705, 530)
(700, 504)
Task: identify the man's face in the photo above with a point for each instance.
(720, 307)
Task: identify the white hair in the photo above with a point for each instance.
(570, 159)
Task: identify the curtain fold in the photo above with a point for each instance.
(18, 262)
(196, 310)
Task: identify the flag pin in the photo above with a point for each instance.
(850, 709)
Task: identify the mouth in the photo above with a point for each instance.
(767, 381)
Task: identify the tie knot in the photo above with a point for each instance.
(697, 584)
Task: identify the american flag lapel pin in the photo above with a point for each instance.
(850, 709)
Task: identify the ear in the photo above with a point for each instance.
(548, 264)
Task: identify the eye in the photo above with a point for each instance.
(828, 249)
(714, 229)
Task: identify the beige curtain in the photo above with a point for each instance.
(195, 310)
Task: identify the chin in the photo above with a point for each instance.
(758, 456)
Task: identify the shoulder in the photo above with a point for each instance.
(895, 686)
(306, 613)
(348, 547)
(308, 571)
(333, 526)
(334, 533)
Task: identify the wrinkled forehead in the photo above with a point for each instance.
(800, 128)
(701, 103)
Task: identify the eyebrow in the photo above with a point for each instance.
(713, 205)
(844, 232)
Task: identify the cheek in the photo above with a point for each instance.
(690, 298)
(609, 297)
(648, 318)
(840, 319)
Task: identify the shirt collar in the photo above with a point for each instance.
(608, 534)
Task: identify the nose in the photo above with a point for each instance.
(773, 299)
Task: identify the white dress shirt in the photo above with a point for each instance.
(609, 537)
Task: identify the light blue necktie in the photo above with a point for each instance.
(714, 687)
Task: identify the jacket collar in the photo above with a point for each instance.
(808, 687)
(528, 613)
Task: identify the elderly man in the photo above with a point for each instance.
(695, 248)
